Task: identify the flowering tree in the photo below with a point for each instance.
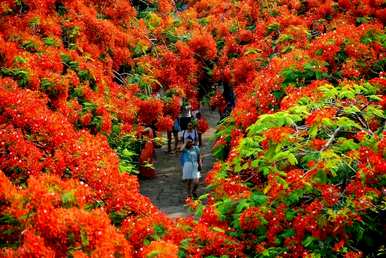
(308, 180)
(301, 170)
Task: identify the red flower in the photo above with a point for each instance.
(149, 111)
(318, 115)
(86, 119)
(353, 254)
(164, 123)
(330, 194)
(250, 219)
(318, 143)
(338, 246)
(276, 135)
(202, 125)
(204, 45)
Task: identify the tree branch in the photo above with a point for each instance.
(331, 139)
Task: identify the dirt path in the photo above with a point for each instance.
(167, 190)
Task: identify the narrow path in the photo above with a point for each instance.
(167, 190)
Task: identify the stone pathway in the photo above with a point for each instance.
(167, 190)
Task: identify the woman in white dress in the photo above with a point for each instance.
(191, 166)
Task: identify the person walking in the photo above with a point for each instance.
(186, 115)
(174, 132)
(146, 168)
(190, 133)
(191, 166)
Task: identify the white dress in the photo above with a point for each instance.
(190, 168)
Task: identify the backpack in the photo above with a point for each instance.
(176, 125)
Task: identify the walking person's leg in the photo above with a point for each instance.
(169, 133)
(195, 184)
(183, 123)
(175, 134)
(188, 183)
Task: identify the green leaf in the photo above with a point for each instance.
(224, 208)
(372, 110)
(217, 229)
(282, 182)
(8, 219)
(347, 145)
(184, 244)
(265, 170)
(299, 110)
(153, 254)
(268, 121)
(308, 241)
(332, 161)
(199, 210)
(117, 217)
(284, 38)
(374, 98)
(281, 155)
(49, 41)
(243, 204)
(329, 91)
(68, 199)
(292, 159)
(203, 197)
(328, 122)
(89, 106)
(351, 110)
(290, 214)
(219, 152)
(20, 59)
(294, 197)
(22, 76)
(345, 93)
(287, 233)
(146, 241)
(128, 154)
(273, 27)
(159, 231)
(255, 163)
(258, 198)
(252, 51)
(320, 177)
(347, 123)
(313, 131)
(84, 239)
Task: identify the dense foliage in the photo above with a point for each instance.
(302, 155)
(308, 180)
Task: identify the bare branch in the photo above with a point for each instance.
(332, 138)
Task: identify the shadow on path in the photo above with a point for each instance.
(167, 190)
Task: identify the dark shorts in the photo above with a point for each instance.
(184, 121)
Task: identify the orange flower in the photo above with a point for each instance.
(202, 125)
(318, 144)
(318, 115)
(161, 249)
(276, 135)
